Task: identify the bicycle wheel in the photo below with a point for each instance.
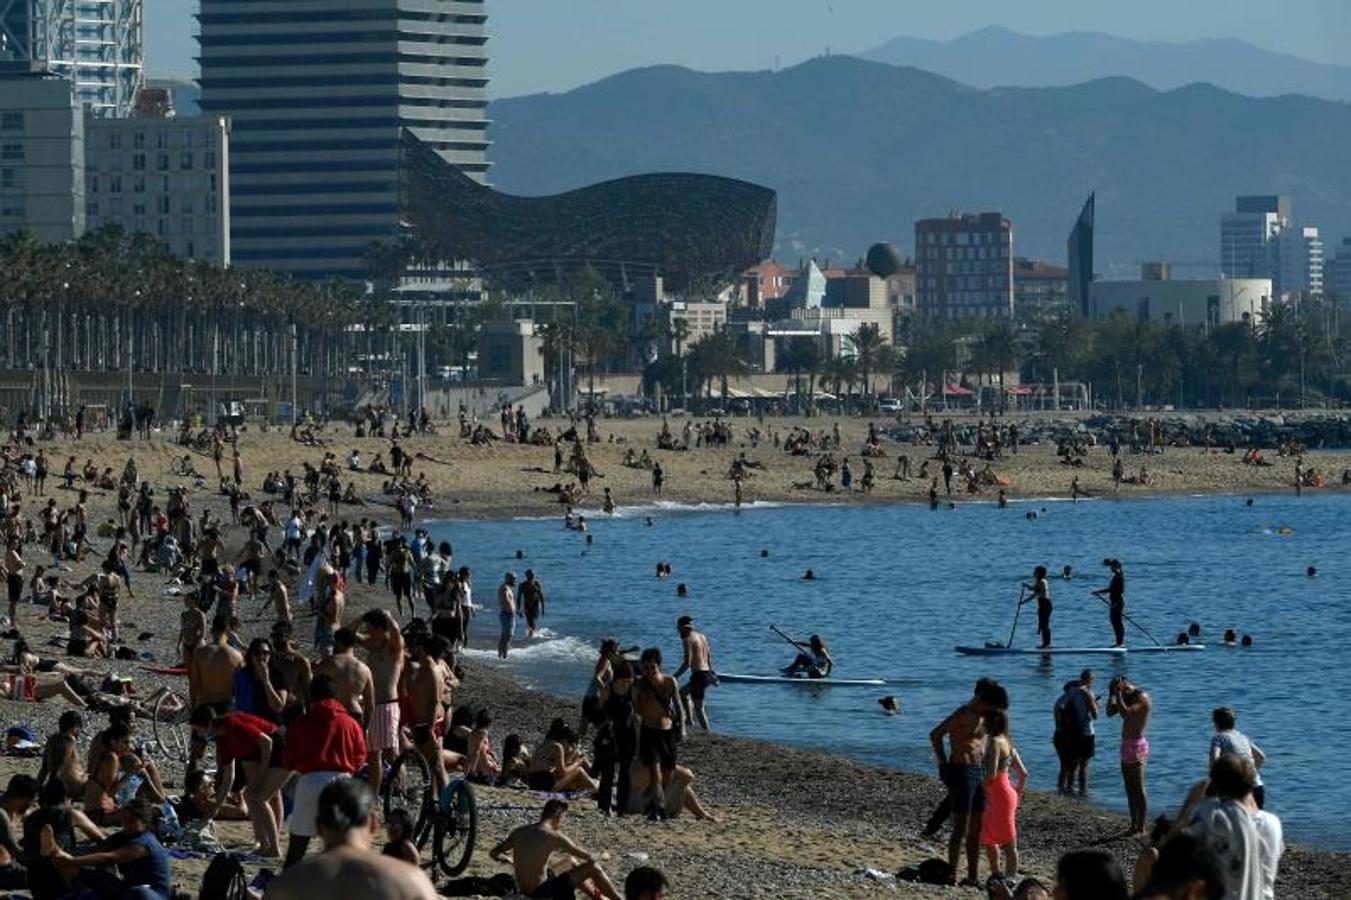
(170, 724)
(409, 788)
(456, 828)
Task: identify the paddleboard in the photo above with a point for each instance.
(813, 682)
(1075, 651)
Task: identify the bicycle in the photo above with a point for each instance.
(449, 821)
(169, 724)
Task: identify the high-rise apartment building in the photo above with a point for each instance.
(41, 157)
(1299, 252)
(318, 92)
(98, 44)
(162, 176)
(1337, 272)
(1080, 247)
(964, 266)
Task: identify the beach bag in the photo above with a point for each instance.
(224, 879)
(932, 871)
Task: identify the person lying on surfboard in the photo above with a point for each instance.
(814, 659)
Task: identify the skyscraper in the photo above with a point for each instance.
(96, 43)
(1300, 253)
(1248, 236)
(1081, 257)
(319, 92)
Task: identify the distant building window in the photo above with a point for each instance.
(209, 160)
(185, 160)
(13, 209)
(12, 152)
(11, 121)
(162, 203)
(11, 178)
(138, 140)
(114, 184)
(114, 140)
(138, 162)
(162, 162)
(93, 209)
(161, 140)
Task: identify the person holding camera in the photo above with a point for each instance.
(1134, 706)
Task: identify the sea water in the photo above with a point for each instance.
(898, 586)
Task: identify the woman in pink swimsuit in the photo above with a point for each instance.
(999, 827)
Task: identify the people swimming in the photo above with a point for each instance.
(813, 660)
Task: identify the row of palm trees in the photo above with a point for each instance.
(113, 301)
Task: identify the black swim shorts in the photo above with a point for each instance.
(557, 887)
(657, 746)
(966, 785)
(700, 682)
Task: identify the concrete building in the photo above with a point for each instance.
(855, 289)
(1248, 236)
(765, 283)
(964, 266)
(1337, 272)
(1080, 256)
(1300, 260)
(702, 318)
(41, 157)
(318, 94)
(1040, 290)
(98, 44)
(511, 353)
(901, 289)
(1207, 303)
(163, 176)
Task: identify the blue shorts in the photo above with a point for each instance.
(508, 621)
(965, 786)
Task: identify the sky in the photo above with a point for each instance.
(556, 45)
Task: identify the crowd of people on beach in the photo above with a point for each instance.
(298, 697)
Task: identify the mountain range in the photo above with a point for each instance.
(995, 56)
(858, 150)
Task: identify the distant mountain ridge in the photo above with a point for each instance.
(993, 57)
(858, 150)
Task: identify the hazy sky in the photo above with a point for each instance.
(552, 45)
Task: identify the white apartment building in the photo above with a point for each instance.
(166, 177)
(1300, 257)
(1204, 303)
(41, 157)
(318, 94)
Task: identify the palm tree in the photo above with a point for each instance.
(871, 353)
(799, 354)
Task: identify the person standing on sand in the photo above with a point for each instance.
(961, 770)
(1041, 590)
(699, 661)
(660, 718)
(999, 826)
(657, 478)
(506, 613)
(1116, 600)
(1134, 706)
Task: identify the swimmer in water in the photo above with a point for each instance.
(1067, 573)
(1247, 641)
(809, 575)
(1194, 630)
(889, 705)
(647, 520)
(764, 554)
(1230, 637)
(1311, 572)
(682, 590)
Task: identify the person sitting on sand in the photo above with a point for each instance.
(555, 766)
(198, 799)
(530, 848)
(679, 794)
(480, 762)
(515, 765)
(399, 830)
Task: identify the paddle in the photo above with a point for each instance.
(1132, 621)
(1017, 610)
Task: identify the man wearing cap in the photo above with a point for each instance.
(142, 862)
(699, 661)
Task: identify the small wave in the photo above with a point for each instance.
(565, 649)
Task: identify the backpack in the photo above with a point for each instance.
(224, 879)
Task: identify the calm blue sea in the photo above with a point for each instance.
(899, 586)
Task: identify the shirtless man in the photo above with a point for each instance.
(1134, 706)
(348, 867)
(211, 676)
(14, 567)
(532, 602)
(332, 602)
(352, 683)
(1040, 589)
(277, 597)
(660, 717)
(961, 771)
(251, 561)
(699, 661)
(380, 636)
(191, 628)
(294, 667)
(424, 697)
(18, 798)
(532, 846)
(506, 613)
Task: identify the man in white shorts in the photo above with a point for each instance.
(323, 746)
(379, 634)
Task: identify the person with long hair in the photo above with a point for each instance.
(999, 827)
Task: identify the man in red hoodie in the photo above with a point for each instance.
(322, 746)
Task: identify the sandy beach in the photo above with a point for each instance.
(794, 823)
